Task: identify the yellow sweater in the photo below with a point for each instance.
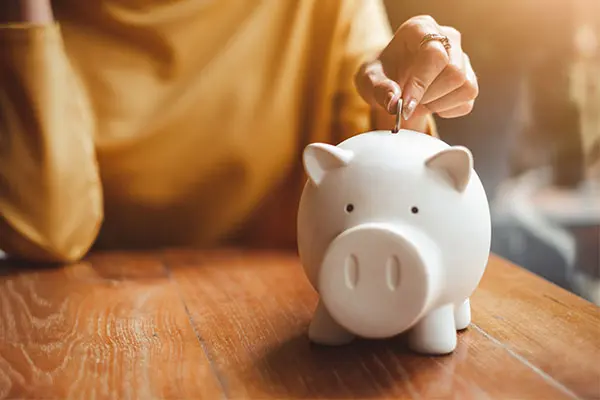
(137, 123)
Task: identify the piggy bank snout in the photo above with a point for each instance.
(376, 279)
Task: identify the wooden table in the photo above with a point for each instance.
(232, 324)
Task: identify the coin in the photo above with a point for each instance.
(398, 116)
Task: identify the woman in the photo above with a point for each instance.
(145, 123)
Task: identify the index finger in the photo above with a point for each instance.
(431, 59)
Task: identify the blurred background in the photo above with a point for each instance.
(535, 129)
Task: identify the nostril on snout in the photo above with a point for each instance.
(392, 270)
(351, 271)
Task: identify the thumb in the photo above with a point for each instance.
(376, 88)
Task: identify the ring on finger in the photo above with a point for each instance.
(436, 36)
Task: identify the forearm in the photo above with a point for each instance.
(26, 11)
(50, 193)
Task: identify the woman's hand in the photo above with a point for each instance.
(428, 77)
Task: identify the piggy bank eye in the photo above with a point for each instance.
(414, 210)
(349, 208)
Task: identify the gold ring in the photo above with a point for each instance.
(434, 36)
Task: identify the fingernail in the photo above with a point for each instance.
(389, 101)
(409, 109)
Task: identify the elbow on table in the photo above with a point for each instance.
(66, 252)
(61, 243)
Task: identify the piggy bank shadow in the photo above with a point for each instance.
(297, 368)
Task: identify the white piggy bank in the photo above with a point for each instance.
(394, 234)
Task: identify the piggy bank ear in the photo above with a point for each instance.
(320, 158)
(455, 163)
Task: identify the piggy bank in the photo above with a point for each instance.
(394, 234)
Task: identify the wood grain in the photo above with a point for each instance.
(555, 331)
(232, 324)
(252, 311)
(112, 327)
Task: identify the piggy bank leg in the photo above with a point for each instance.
(462, 315)
(436, 333)
(324, 330)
